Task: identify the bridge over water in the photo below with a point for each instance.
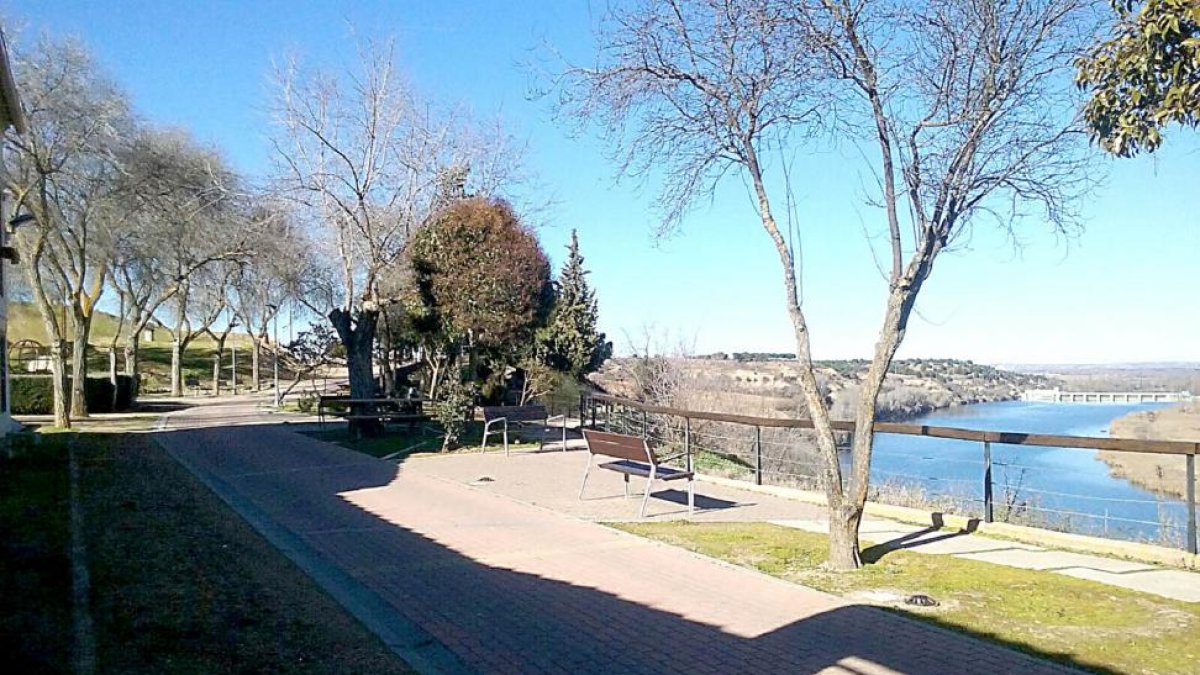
(1060, 396)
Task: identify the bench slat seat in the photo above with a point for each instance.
(634, 457)
(643, 469)
(520, 415)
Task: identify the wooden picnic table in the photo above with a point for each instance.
(383, 409)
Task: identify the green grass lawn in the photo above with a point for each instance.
(1085, 623)
(419, 438)
(179, 582)
(35, 573)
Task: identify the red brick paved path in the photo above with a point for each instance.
(509, 587)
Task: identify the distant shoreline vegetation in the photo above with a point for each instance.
(766, 384)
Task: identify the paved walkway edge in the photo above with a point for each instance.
(410, 642)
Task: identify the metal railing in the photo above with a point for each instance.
(765, 449)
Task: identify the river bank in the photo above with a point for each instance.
(1162, 474)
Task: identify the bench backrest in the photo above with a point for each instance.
(619, 446)
(515, 413)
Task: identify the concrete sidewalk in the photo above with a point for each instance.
(457, 578)
(551, 480)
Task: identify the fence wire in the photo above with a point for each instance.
(789, 458)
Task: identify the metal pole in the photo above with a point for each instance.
(758, 455)
(987, 482)
(687, 441)
(277, 359)
(644, 425)
(233, 376)
(1191, 503)
(592, 403)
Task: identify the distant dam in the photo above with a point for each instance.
(1060, 396)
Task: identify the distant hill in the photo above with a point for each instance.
(769, 388)
(25, 323)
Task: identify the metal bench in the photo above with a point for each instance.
(520, 415)
(634, 458)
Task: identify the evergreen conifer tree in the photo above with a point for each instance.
(570, 342)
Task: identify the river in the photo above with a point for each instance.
(1063, 488)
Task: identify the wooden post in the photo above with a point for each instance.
(687, 441)
(758, 455)
(1191, 503)
(987, 482)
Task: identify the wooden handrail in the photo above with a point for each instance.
(1003, 437)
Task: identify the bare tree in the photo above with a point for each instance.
(280, 264)
(963, 107)
(64, 173)
(362, 154)
(192, 213)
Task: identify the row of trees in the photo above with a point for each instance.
(141, 212)
(382, 215)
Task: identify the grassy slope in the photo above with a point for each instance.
(1086, 623)
(25, 323)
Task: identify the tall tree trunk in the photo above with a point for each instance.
(112, 377)
(131, 355)
(358, 337)
(176, 367)
(216, 375)
(79, 367)
(58, 380)
(255, 372)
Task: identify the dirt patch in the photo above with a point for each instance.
(181, 584)
(1161, 474)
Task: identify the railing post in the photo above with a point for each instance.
(582, 409)
(687, 441)
(987, 482)
(1191, 503)
(758, 455)
(644, 426)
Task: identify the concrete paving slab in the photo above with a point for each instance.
(1174, 584)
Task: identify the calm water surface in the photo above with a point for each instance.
(1069, 487)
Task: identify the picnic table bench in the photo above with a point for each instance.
(521, 416)
(634, 457)
(382, 410)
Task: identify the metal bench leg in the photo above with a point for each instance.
(646, 497)
(586, 470)
(564, 423)
(626, 485)
(506, 438)
(691, 496)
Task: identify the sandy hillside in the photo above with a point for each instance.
(1163, 474)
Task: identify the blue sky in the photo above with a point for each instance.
(1125, 290)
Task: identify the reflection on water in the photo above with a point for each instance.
(1059, 487)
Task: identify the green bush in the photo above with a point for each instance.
(453, 408)
(34, 395)
(31, 396)
(306, 403)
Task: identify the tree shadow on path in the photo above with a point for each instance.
(450, 612)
